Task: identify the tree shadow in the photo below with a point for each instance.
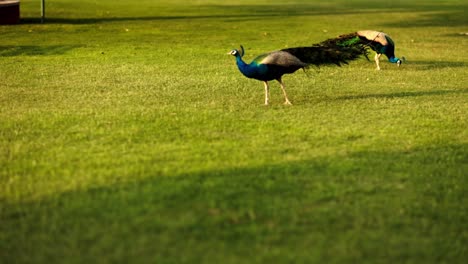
(457, 35)
(453, 18)
(31, 50)
(236, 13)
(255, 15)
(241, 206)
(431, 65)
(401, 94)
(232, 13)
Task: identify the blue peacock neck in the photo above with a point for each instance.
(240, 62)
(393, 59)
(246, 69)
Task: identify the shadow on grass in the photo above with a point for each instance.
(227, 18)
(275, 177)
(231, 13)
(236, 13)
(401, 94)
(371, 196)
(227, 214)
(431, 65)
(12, 51)
(457, 35)
(454, 18)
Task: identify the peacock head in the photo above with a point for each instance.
(236, 53)
(403, 59)
(397, 60)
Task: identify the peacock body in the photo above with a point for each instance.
(378, 41)
(273, 65)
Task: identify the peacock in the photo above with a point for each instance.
(378, 41)
(273, 65)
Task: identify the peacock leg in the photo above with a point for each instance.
(267, 93)
(286, 102)
(377, 60)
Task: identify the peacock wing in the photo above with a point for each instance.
(282, 58)
(374, 38)
(258, 60)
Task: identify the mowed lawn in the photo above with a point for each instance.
(127, 135)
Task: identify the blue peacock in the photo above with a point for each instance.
(273, 65)
(378, 41)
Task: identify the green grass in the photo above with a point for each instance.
(127, 135)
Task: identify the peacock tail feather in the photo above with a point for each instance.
(321, 54)
(346, 40)
(355, 40)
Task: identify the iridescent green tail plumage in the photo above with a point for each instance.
(352, 43)
(346, 40)
(328, 52)
(353, 40)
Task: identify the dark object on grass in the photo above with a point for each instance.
(9, 12)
